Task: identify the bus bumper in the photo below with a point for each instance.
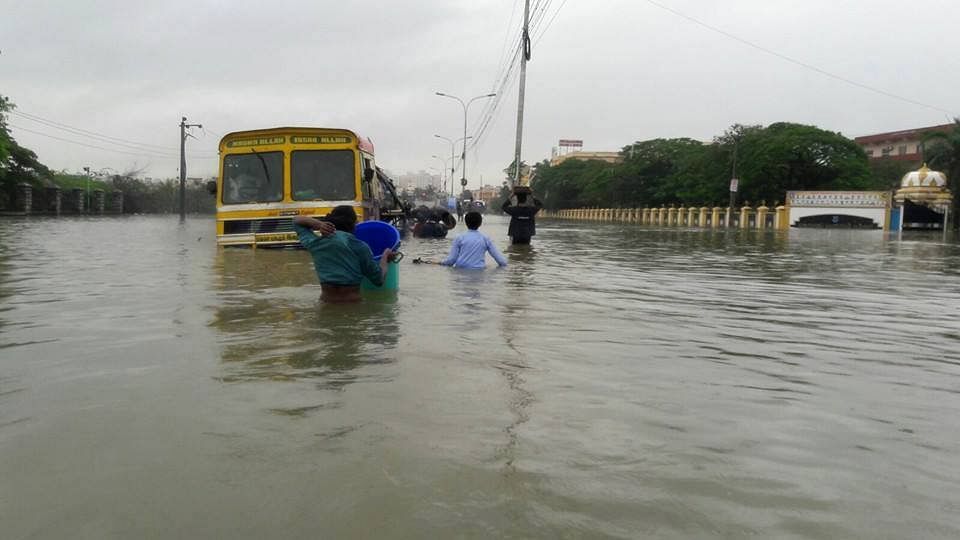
(288, 239)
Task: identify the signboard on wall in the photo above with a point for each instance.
(839, 199)
(571, 143)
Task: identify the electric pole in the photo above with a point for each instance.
(184, 126)
(86, 204)
(734, 183)
(524, 56)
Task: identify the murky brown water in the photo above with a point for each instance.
(614, 382)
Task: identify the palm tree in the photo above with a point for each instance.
(942, 151)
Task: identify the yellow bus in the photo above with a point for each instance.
(269, 175)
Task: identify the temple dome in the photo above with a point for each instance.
(924, 177)
(924, 187)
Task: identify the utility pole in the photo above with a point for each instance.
(184, 126)
(734, 181)
(86, 204)
(524, 56)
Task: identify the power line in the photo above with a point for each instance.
(797, 62)
(141, 154)
(507, 73)
(503, 72)
(212, 132)
(130, 145)
(79, 131)
(550, 22)
(506, 37)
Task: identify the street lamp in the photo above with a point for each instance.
(452, 162)
(443, 171)
(466, 106)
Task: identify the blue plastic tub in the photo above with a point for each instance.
(380, 236)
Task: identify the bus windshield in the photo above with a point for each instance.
(323, 175)
(254, 177)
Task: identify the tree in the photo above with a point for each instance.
(769, 161)
(5, 107)
(943, 152)
(502, 196)
(654, 172)
(784, 157)
(564, 185)
(888, 172)
(511, 170)
(17, 163)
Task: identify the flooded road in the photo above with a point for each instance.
(613, 382)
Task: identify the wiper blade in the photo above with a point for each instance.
(263, 163)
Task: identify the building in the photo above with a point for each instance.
(905, 145)
(573, 149)
(609, 157)
(422, 179)
(486, 194)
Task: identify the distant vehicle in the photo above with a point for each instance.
(474, 206)
(267, 176)
(432, 222)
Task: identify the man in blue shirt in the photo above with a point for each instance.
(469, 249)
(339, 258)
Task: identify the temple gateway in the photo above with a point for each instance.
(923, 201)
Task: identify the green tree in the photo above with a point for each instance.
(785, 156)
(887, 172)
(943, 153)
(511, 170)
(17, 163)
(5, 107)
(770, 161)
(655, 172)
(566, 185)
(502, 196)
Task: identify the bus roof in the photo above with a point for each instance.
(364, 143)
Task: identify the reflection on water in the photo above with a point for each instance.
(613, 382)
(272, 324)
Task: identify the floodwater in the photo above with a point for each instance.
(613, 382)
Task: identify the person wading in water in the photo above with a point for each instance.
(339, 258)
(522, 223)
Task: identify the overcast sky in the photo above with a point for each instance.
(608, 72)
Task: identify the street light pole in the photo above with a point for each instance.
(443, 171)
(466, 107)
(452, 162)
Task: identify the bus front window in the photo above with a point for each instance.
(327, 175)
(253, 177)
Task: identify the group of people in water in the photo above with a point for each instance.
(341, 261)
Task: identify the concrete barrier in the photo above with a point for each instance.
(715, 217)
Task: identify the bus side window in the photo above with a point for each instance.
(367, 186)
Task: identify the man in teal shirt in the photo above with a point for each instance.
(339, 258)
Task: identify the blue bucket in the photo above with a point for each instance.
(380, 236)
